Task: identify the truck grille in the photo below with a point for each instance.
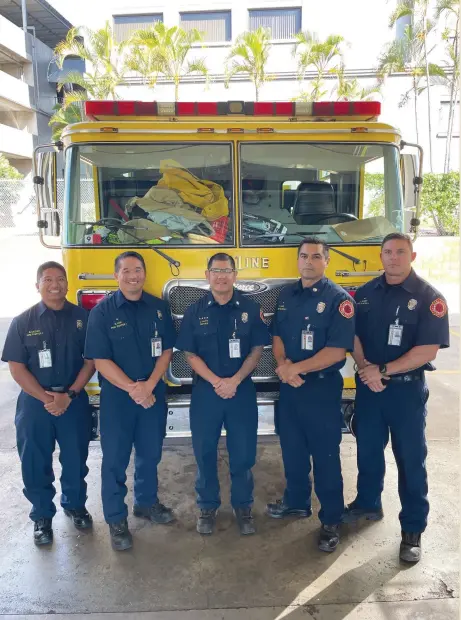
(180, 294)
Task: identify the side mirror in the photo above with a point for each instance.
(45, 180)
(411, 166)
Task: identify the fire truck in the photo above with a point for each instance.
(181, 181)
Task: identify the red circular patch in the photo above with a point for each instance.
(439, 308)
(346, 308)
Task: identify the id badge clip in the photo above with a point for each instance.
(156, 344)
(307, 339)
(395, 332)
(234, 345)
(44, 357)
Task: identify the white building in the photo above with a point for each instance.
(27, 83)
(363, 24)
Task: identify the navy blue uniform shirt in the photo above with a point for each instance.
(324, 309)
(208, 326)
(419, 308)
(60, 331)
(121, 330)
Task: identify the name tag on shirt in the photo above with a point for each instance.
(395, 335)
(44, 358)
(234, 348)
(156, 346)
(307, 340)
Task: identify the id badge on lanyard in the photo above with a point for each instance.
(395, 331)
(44, 357)
(234, 345)
(156, 344)
(307, 339)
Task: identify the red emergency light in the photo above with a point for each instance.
(96, 109)
(89, 300)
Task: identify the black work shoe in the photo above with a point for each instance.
(158, 513)
(206, 521)
(328, 538)
(354, 513)
(410, 547)
(81, 518)
(280, 510)
(245, 521)
(120, 536)
(43, 532)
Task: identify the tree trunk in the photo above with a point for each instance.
(415, 91)
(454, 89)
(428, 90)
(257, 91)
(176, 90)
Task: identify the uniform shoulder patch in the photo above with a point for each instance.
(439, 307)
(346, 308)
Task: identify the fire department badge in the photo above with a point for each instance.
(439, 307)
(79, 324)
(244, 317)
(321, 306)
(412, 304)
(346, 308)
(160, 315)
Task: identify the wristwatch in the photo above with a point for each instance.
(383, 369)
(72, 394)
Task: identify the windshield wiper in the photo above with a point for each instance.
(171, 261)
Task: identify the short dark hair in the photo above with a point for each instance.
(315, 241)
(221, 256)
(129, 254)
(51, 264)
(400, 237)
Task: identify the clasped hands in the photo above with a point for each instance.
(369, 375)
(141, 393)
(289, 373)
(226, 388)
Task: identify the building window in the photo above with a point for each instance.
(283, 23)
(444, 112)
(125, 25)
(214, 26)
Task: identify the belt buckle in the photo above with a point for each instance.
(407, 378)
(58, 389)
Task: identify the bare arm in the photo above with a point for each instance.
(26, 380)
(249, 364)
(199, 367)
(358, 354)
(114, 374)
(85, 374)
(278, 350)
(324, 358)
(414, 358)
(160, 369)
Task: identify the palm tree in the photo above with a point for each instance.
(250, 55)
(70, 112)
(406, 55)
(450, 9)
(418, 11)
(322, 55)
(352, 90)
(166, 51)
(99, 49)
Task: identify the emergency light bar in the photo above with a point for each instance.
(96, 109)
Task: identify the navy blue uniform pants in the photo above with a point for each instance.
(37, 432)
(400, 410)
(239, 416)
(124, 424)
(310, 423)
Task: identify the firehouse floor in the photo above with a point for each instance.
(174, 574)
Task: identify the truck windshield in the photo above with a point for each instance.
(345, 193)
(166, 194)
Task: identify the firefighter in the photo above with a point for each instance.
(223, 336)
(44, 349)
(312, 330)
(402, 322)
(131, 337)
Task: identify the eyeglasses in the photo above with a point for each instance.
(227, 270)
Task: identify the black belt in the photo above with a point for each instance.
(60, 389)
(406, 378)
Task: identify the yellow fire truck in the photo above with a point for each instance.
(181, 181)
